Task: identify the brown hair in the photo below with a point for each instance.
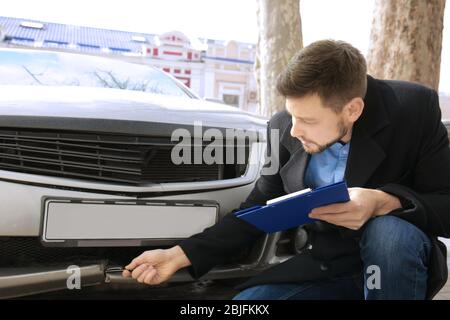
(334, 70)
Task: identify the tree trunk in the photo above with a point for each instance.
(280, 37)
(406, 40)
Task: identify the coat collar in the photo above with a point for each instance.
(365, 154)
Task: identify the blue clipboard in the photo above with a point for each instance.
(294, 211)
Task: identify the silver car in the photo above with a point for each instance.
(87, 176)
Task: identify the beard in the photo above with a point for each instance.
(343, 130)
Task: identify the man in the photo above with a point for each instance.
(386, 139)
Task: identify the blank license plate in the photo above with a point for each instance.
(65, 219)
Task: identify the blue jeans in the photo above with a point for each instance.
(395, 256)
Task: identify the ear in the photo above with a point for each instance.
(354, 109)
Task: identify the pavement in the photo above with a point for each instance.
(444, 294)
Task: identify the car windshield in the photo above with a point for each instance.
(59, 69)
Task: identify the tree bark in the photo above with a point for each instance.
(280, 37)
(406, 40)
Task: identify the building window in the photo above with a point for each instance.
(187, 71)
(62, 43)
(155, 51)
(54, 43)
(166, 70)
(119, 49)
(176, 71)
(23, 39)
(91, 46)
(189, 55)
(231, 99)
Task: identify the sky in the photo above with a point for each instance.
(348, 20)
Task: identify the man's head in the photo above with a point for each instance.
(324, 85)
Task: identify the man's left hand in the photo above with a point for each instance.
(363, 205)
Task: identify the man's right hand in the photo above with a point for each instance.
(156, 266)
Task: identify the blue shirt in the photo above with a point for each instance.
(327, 166)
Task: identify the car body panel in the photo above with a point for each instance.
(47, 105)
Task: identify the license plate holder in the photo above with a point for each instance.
(74, 222)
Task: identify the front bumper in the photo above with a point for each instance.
(21, 204)
(20, 214)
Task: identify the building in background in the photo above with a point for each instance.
(2, 34)
(229, 73)
(215, 70)
(174, 53)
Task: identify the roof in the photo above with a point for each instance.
(86, 38)
(89, 39)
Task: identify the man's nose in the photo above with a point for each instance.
(296, 130)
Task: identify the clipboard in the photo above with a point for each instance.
(291, 211)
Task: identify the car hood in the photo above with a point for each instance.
(113, 110)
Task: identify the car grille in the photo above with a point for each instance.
(126, 159)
